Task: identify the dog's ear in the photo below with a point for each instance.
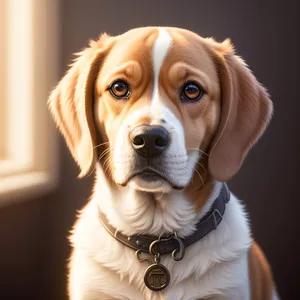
(245, 112)
(71, 103)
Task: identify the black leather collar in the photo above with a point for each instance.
(172, 243)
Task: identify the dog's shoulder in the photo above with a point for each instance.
(260, 275)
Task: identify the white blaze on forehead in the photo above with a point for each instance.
(160, 50)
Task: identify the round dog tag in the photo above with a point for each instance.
(157, 277)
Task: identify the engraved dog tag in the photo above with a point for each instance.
(157, 277)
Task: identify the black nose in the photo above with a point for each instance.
(148, 140)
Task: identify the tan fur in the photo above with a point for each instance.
(200, 120)
(261, 281)
(71, 104)
(224, 125)
(246, 111)
(129, 65)
(201, 185)
(244, 102)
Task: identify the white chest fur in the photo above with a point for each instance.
(103, 268)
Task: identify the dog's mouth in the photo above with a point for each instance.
(152, 177)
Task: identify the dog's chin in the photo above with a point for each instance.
(153, 185)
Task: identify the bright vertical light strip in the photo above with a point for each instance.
(30, 70)
(20, 71)
(2, 78)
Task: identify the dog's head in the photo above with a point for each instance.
(155, 106)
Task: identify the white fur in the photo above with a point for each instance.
(178, 162)
(103, 268)
(160, 50)
(275, 296)
(101, 264)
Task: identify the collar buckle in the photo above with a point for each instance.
(177, 253)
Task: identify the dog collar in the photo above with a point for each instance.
(157, 276)
(173, 243)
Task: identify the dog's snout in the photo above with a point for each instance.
(149, 140)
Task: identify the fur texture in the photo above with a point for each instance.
(209, 139)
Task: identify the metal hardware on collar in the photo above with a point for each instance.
(157, 258)
(168, 244)
(156, 276)
(215, 223)
(148, 258)
(177, 254)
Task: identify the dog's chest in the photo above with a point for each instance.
(217, 263)
(194, 277)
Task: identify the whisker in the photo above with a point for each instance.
(199, 176)
(106, 164)
(162, 194)
(201, 167)
(201, 151)
(100, 145)
(93, 168)
(104, 152)
(197, 162)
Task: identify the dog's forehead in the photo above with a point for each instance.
(161, 45)
(134, 45)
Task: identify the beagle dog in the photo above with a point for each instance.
(164, 117)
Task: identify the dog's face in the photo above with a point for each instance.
(153, 102)
(157, 103)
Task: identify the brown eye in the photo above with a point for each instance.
(119, 89)
(192, 92)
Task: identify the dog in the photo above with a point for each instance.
(164, 118)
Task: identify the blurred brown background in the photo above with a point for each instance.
(33, 243)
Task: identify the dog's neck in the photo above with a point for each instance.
(136, 212)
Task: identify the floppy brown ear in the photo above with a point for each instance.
(245, 112)
(71, 105)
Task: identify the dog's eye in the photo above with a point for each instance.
(191, 92)
(119, 89)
